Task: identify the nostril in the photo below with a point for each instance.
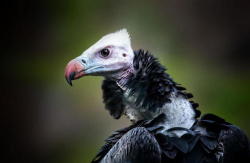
(83, 61)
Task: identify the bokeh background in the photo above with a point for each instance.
(204, 44)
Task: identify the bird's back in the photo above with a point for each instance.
(211, 139)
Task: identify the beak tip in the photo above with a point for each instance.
(69, 81)
(70, 77)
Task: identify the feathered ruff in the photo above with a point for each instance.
(222, 142)
(112, 98)
(153, 85)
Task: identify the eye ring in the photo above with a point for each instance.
(105, 52)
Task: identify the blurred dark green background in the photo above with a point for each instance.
(204, 44)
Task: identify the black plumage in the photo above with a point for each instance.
(210, 139)
(150, 81)
(112, 97)
(223, 142)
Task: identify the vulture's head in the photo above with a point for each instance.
(110, 57)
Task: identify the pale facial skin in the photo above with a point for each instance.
(109, 57)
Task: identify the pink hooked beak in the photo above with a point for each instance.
(74, 70)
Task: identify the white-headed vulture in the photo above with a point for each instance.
(166, 125)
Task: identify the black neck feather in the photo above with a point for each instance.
(152, 85)
(149, 83)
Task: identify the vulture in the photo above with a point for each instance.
(166, 124)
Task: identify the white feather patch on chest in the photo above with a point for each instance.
(179, 113)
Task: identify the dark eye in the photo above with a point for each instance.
(105, 52)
